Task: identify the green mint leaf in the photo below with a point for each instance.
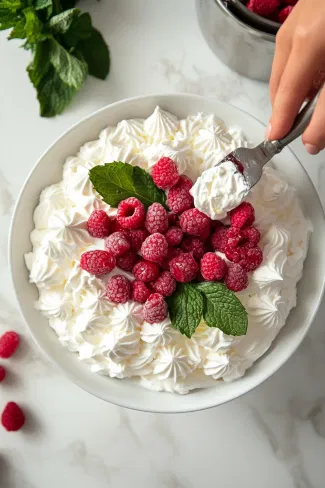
(61, 23)
(8, 20)
(40, 65)
(79, 30)
(11, 5)
(19, 31)
(33, 26)
(223, 309)
(53, 95)
(186, 308)
(117, 181)
(70, 69)
(96, 53)
(42, 4)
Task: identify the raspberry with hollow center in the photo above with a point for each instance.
(251, 258)
(263, 7)
(130, 213)
(137, 237)
(195, 223)
(127, 261)
(174, 236)
(156, 219)
(118, 289)
(139, 291)
(117, 244)
(165, 284)
(179, 199)
(154, 248)
(12, 417)
(194, 245)
(219, 239)
(165, 173)
(146, 271)
(243, 215)
(172, 253)
(236, 278)
(97, 262)
(9, 343)
(99, 224)
(212, 267)
(155, 309)
(252, 235)
(184, 267)
(284, 13)
(2, 373)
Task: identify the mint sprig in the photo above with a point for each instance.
(186, 308)
(212, 301)
(117, 181)
(64, 44)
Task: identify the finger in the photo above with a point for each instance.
(294, 86)
(314, 136)
(281, 56)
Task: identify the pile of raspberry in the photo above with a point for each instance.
(162, 247)
(277, 10)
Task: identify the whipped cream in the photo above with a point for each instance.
(219, 189)
(113, 339)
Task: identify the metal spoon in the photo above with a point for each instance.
(253, 160)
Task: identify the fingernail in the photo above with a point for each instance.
(268, 131)
(311, 149)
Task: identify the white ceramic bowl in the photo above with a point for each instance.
(48, 170)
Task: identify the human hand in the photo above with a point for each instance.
(298, 71)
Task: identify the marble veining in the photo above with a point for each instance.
(272, 437)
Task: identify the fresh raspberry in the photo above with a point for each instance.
(130, 213)
(243, 215)
(117, 244)
(251, 258)
(195, 223)
(194, 245)
(263, 7)
(165, 284)
(118, 289)
(219, 239)
(184, 182)
(284, 13)
(137, 237)
(234, 254)
(236, 278)
(156, 219)
(235, 236)
(165, 173)
(212, 267)
(252, 235)
(116, 227)
(174, 236)
(172, 253)
(8, 344)
(12, 417)
(139, 291)
(146, 271)
(154, 248)
(99, 224)
(184, 267)
(127, 261)
(172, 219)
(179, 199)
(2, 373)
(97, 262)
(155, 309)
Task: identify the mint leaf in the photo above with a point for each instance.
(53, 95)
(117, 181)
(40, 65)
(11, 5)
(96, 53)
(223, 309)
(8, 19)
(71, 70)
(79, 30)
(61, 23)
(185, 308)
(19, 31)
(33, 26)
(42, 4)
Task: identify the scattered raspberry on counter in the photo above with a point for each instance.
(2, 373)
(9, 343)
(12, 417)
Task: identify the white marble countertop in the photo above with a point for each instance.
(275, 435)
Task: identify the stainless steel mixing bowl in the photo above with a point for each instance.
(243, 48)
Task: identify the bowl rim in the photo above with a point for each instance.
(211, 403)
